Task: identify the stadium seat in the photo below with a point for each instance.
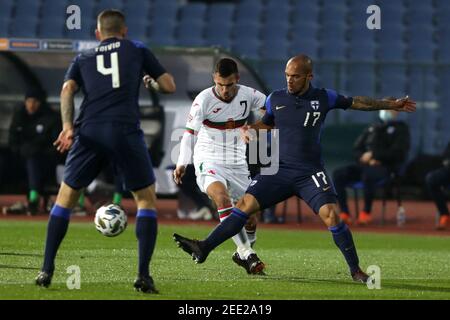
(221, 13)
(245, 31)
(109, 4)
(304, 28)
(361, 79)
(23, 28)
(190, 33)
(245, 10)
(277, 12)
(218, 37)
(362, 51)
(333, 48)
(250, 48)
(134, 9)
(273, 32)
(54, 9)
(392, 78)
(422, 82)
(310, 47)
(162, 33)
(391, 52)
(4, 27)
(273, 74)
(193, 12)
(275, 49)
(164, 11)
(137, 29)
(52, 27)
(25, 9)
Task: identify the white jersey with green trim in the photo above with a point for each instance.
(217, 122)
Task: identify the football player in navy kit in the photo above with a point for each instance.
(107, 129)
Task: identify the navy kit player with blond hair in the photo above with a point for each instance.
(298, 112)
(107, 129)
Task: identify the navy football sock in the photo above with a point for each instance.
(56, 230)
(146, 230)
(344, 241)
(225, 230)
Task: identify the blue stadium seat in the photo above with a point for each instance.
(422, 83)
(190, 33)
(271, 32)
(245, 12)
(109, 4)
(333, 49)
(193, 12)
(306, 8)
(443, 52)
(304, 28)
(249, 30)
(391, 52)
(310, 47)
(421, 43)
(137, 29)
(52, 27)
(275, 50)
(250, 48)
(54, 9)
(162, 33)
(277, 12)
(4, 26)
(273, 74)
(164, 11)
(135, 9)
(360, 79)
(23, 28)
(391, 32)
(221, 12)
(393, 80)
(329, 75)
(362, 51)
(26, 9)
(6, 11)
(218, 37)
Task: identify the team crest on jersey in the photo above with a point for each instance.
(315, 104)
(216, 110)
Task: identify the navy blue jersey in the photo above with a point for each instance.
(109, 76)
(299, 120)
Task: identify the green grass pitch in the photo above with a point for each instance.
(300, 265)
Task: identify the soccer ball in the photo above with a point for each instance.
(110, 220)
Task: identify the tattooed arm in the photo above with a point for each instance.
(369, 104)
(65, 138)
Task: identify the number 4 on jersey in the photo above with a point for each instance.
(113, 70)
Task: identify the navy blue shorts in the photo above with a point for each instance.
(97, 144)
(312, 185)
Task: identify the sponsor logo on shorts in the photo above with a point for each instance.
(326, 188)
(211, 171)
(253, 183)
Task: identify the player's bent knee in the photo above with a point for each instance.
(329, 215)
(248, 204)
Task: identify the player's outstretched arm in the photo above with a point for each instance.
(164, 84)
(369, 104)
(65, 138)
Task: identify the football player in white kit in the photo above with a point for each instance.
(213, 134)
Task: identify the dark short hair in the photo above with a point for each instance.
(111, 21)
(226, 67)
